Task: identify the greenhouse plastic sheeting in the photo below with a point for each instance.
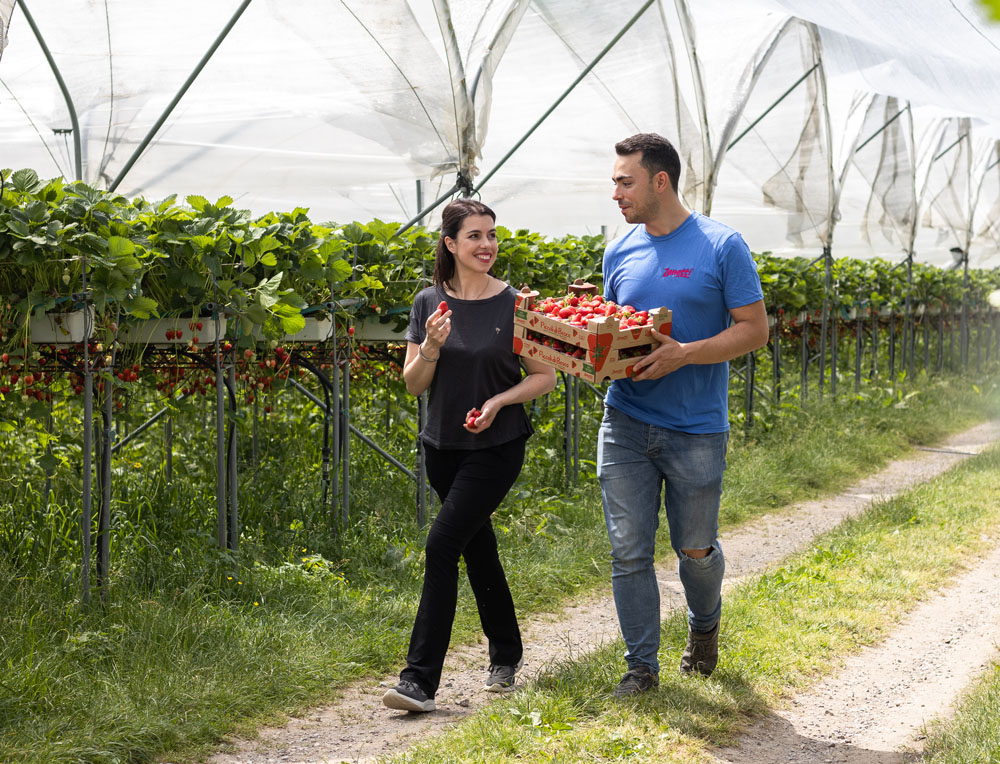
(6, 9)
(779, 109)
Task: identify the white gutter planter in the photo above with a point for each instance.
(373, 330)
(61, 328)
(315, 330)
(179, 330)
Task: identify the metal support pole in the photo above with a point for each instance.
(73, 120)
(892, 345)
(335, 498)
(220, 448)
(47, 488)
(567, 431)
(256, 432)
(168, 446)
(232, 465)
(180, 94)
(576, 431)
(748, 380)
(940, 342)
(104, 517)
(925, 320)
(424, 212)
(875, 326)
(776, 359)
(990, 334)
(964, 338)
(345, 445)
(834, 350)
(859, 349)
(140, 430)
(979, 347)
(614, 40)
(774, 105)
(908, 318)
(825, 317)
(951, 343)
(88, 469)
(421, 462)
(804, 360)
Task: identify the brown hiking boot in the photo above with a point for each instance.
(701, 653)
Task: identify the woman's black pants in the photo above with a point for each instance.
(471, 485)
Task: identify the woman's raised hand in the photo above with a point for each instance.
(438, 326)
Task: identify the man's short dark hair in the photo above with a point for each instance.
(658, 155)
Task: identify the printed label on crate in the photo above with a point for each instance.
(582, 340)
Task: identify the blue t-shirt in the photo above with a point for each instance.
(699, 272)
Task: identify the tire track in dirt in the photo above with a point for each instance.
(359, 729)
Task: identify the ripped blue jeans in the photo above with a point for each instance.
(635, 462)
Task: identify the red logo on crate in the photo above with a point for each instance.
(518, 345)
(599, 344)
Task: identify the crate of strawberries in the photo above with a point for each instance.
(582, 334)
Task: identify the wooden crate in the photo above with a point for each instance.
(600, 350)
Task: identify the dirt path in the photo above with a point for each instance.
(873, 709)
(360, 729)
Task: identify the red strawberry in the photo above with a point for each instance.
(470, 420)
(442, 307)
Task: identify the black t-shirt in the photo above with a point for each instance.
(477, 362)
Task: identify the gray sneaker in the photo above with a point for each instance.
(636, 681)
(407, 696)
(501, 678)
(702, 652)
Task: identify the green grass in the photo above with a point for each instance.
(972, 736)
(183, 654)
(781, 631)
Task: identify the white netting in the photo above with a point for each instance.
(342, 106)
(6, 9)
(885, 158)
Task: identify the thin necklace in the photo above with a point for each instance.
(482, 291)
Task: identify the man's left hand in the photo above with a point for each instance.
(668, 357)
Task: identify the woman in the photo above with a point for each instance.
(460, 346)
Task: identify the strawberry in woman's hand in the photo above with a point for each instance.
(470, 419)
(443, 307)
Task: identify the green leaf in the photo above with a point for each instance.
(269, 259)
(223, 201)
(119, 246)
(25, 181)
(197, 202)
(49, 463)
(341, 270)
(293, 324)
(256, 313)
(141, 307)
(204, 243)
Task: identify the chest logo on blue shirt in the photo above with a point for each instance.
(683, 273)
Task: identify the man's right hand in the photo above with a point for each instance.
(668, 357)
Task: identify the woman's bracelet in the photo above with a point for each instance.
(420, 352)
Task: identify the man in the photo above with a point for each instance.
(668, 426)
